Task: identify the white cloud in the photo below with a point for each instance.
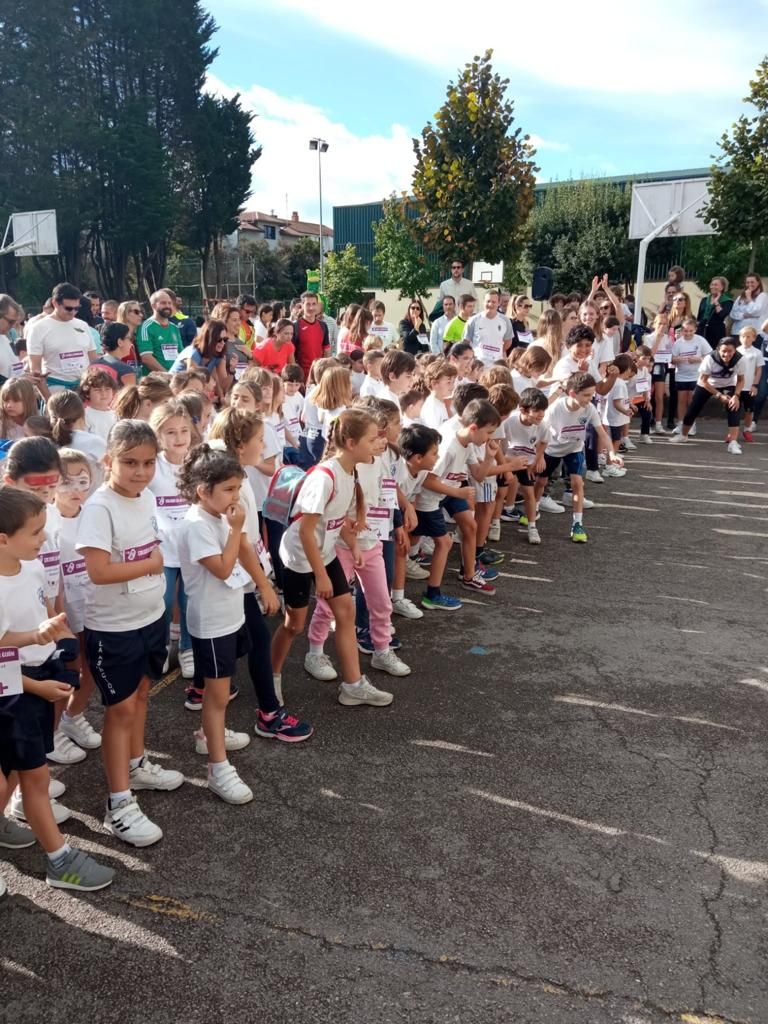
(356, 169)
(555, 147)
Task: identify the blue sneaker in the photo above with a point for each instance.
(510, 515)
(578, 533)
(489, 574)
(282, 726)
(364, 642)
(441, 602)
(395, 643)
(491, 556)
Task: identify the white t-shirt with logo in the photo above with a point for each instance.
(487, 337)
(127, 529)
(293, 406)
(450, 468)
(170, 508)
(663, 353)
(520, 439)
(719, 376)
(24, 606)
(260, 481)
(386, 332)
(214, 607)
(567, 428)
(328, 491)
(618, 393)
(74, 575)
(64, 346)
(100, 421)
(751, 360)
(567, 365)
(697, 346)
(434, 412)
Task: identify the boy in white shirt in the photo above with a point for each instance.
(617, 410)
(292, 377)
(567, 420)
(687, 354)
(751, 366)
(398, 371)
(440, 377)
(380, 328)
(373, 384)
(526, 435)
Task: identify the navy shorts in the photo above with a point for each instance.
(616, 433)
(430, 524)
(216, 658)
(26, 722)
(573, 462)
(453, 506)
(119, 661)
(297, 586)
(525, 478)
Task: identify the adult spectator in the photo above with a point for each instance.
(247, 333)
(263, 321)
(333, 328)
(95, 303)
(230, 316)
(437, 333)
(457, 285)
(187, 326)
(381, 328)
(295, 309)
(116, 346)
(522, 335)
(310, 333)
(131, 314)
(109, 311)
(671, 289)
(278, 311)
(61, 347)
(714, 310)
(504, 300)
(455, 330)
(10, 314)
(751, 307)
(158, 338)
(413, 329)
(489, 333)
(207, 352)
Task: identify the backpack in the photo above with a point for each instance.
(284, 490)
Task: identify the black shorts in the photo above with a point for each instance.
(616, 433)
(524, 478)
(119, 661)
(216, 658)
(298, 585)
(685, 385)
(660, 371)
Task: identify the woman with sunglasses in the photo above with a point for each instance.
(520, 307)
(132, 315)
(414, 329)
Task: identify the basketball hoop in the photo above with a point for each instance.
(34, 234)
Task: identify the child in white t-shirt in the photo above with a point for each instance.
(640, 390)
(125, 622)
(617, 410)
(687, 353)
(441, 377)
(373, 384)
(98, 389)
(751, 365)
(526, 436)
(215, 582)
(293, 401)
(68, 430)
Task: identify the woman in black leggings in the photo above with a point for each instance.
(719, 377)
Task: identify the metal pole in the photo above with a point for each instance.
(320, 188)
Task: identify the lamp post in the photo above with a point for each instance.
(322, 147)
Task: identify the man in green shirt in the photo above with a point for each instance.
(455, 329)
(159, 340)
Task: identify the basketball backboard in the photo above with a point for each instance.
(654, 202)
(487, 273)
(34, 234)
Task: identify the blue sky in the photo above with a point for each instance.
(643, 87)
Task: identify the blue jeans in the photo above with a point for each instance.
(362, 622)
(172, 574)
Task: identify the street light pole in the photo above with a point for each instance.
(321, 146)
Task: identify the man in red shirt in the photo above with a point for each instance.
(310, 334)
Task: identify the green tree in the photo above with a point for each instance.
(580, 229)
(300, 257)
(711, 256)
(400, 260)
(738, 203)
(345, 277)
(474, 174)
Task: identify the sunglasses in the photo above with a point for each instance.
(70, 309)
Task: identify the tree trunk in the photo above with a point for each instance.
(204, 256)
(217, 264)
(752, 257)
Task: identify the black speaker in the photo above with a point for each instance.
(543, 283)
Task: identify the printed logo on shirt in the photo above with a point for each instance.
(170, 501)
(335, 524)
(50, 559)
(41, 596)
(73, 568)
(140, 553)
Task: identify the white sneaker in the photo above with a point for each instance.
(646, 439)
(494, 530)
(547, 504)
(152, 776)
(56, 788)
(593, 476)
(128, 822)
(352, 695)
(659, 428)
(389, 662)
(64, 750)
(320, 667)
(228, 785)
(3, 887)
(678, 428)
(414, 571)
(678, 438)
(692, 431)
(567, 499)
(427, 546)
(187, 664)
(614, 471)
(534, 537)
(734, 448)
(630, 445)
(80, 731)
(232, 740)
(16, 809)
(402, 606)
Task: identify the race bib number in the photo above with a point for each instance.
(240, 370)
(388, 494)
(169, 352)
(51, 562)
(643, 385)
(334, 525)
(264, 556)
(73, 362)
(141, 554)
(423, 339)
(75, 578)
(379, 522)
(172, 506)
(17, 369)
(10, 672)
(238, 578)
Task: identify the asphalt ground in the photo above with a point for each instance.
(560, 819)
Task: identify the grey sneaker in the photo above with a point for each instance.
(352, 695)
(79, 872)
(13, 836)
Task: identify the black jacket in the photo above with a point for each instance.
(713, 328)
(410, 338)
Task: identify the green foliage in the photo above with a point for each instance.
(718, 255)
(580, 229)
(474, 175)
(738, 206)
(401, 262)
(345, 277)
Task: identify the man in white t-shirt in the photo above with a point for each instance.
(438, 327)
(489, 333)
(457, 285)
(10, 311)
(381, 328)
(61, 347)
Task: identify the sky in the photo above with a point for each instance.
(629, 88)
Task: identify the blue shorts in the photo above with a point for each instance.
(430, 524)
(454, 505)
(26, 721)
(119, 661)
(574, 463)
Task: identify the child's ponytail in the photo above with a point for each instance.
(65, 408)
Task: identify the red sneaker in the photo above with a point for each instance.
(748, 436)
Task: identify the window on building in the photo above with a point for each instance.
(269, 231)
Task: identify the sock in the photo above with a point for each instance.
(359, 681)
(69, 718)
(135, 762)
(382, 651)
(277, 678)
(433, 591)
(115, 798)
(577, 517)
(531, 524)
(217, 767)
(316, 648)
(479, 551)
(398, 595)
(58, 857)
(413, 550)
(175, 631)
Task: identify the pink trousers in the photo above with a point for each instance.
(372, 577)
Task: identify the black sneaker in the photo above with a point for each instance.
(234, 691)
(194, 699)
(282, 726)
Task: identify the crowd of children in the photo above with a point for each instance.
(164, 520)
